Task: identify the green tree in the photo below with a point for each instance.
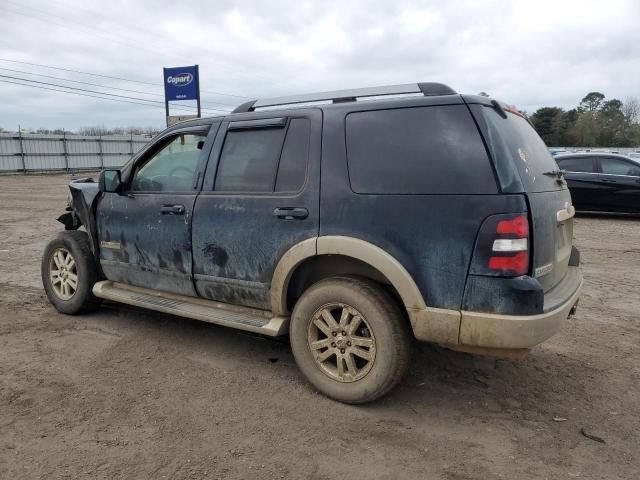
(563, 125)
(545, 121)
(611, 124)
(596, 122)
(584, 132)
(591, 102)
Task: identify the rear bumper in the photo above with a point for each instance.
(492, 331)
(516, 331)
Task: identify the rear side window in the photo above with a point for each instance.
(249, 159)
(615, 166)
(586, 165)
(424, 150)
(263, 160)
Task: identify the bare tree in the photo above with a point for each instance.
(631, 109)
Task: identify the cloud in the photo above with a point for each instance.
(530, 53)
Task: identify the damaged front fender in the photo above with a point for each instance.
(84, 192)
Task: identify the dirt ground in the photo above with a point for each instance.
(124, 393)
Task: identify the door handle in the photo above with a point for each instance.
(606, 180)
(172, 209)
(291, 213)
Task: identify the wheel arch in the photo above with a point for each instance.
(368, 254)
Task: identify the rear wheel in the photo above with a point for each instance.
(350, 339)
(69, 273)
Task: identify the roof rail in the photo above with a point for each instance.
(341, 96)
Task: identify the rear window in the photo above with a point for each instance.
(513, 142)
(424, 150)
(579, 164)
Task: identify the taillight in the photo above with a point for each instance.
(510, 247)
(518, 226)
(518, 263)
(502, 247)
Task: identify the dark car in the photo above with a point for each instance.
(602, 182)
(353, 223)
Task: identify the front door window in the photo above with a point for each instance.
(172, 168)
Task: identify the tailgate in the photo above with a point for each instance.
(551, 235)
(523, 164)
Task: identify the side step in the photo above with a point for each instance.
(242, 318)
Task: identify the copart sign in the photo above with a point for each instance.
(181, 83)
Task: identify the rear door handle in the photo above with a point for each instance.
(291, 213)
(172, 209)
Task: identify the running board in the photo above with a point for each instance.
(242, 318)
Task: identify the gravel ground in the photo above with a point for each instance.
(124, 393)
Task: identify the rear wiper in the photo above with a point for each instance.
(555, 173)
(559, 174)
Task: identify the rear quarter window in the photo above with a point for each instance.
(422, 150)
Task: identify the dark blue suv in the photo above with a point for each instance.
(354, 220)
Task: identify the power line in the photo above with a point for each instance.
(115, 35)
(100, 93)
(80, 82)
(206, 105)
(92, 96)
(111, 77)
(84, 94)
(49, 21)
(81, 94)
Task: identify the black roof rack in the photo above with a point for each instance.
(342, 96)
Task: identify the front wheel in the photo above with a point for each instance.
(350, 339)
(69, 273)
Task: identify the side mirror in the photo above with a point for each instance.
(110, 181)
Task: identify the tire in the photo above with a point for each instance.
(382, 333)
(70, 289)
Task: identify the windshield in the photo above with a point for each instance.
(513, 142)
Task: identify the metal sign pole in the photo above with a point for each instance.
(198, 90)
(166, 100)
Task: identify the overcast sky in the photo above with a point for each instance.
(529, 53)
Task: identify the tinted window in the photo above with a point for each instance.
(417, 150)
(172, 168)
(249, 159)
(516, 147)
(295, 156)
(615, 166)
(582, 164)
